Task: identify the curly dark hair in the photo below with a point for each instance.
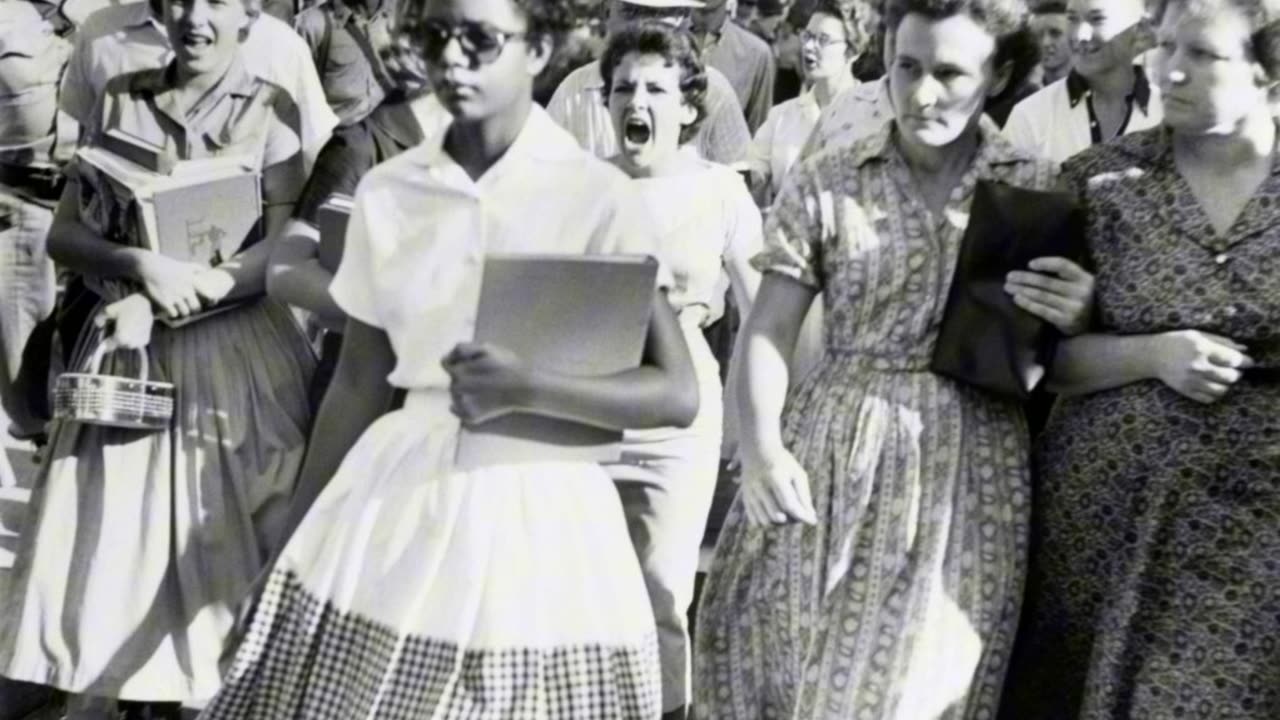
(676, 47)
(547, 20)
(1264, 24)
(1005, 20)
(856, 17)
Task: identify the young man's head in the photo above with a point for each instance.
(1106, 35)
(674, 13)
(1049, 23)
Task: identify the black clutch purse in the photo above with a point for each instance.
(985, 340)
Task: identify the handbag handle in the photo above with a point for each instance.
(94, 365)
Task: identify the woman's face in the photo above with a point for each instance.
(205, 34)
(942, 72)
(824, 48)
(477, 57)
(1208, 78)
(648, 109)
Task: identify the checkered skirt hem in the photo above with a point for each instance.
(304, 658)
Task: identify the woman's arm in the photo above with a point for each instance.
(489, 382)
(295, 275)
(74, 245)
(767, 343)
(358, 395)
(1195, 364)
(245, 275)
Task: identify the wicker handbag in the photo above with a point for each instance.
(122, 402)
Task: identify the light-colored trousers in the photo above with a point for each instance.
(28, 286)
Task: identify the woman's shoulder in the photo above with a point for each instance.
(1126, 157)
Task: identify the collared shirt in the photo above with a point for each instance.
(747, 62)
(348, 41)
(1058, 121)
(853, 114)
(126, 38)
(852, 223)
(421, 227)
(579, 107)
(777, 144)
(240, 115)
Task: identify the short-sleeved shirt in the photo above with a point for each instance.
(421, 227)
(241, 115)
(126, 38)
(778, 143)
(747, 63)
(579, 107)
(347, 45)
(857, 112)
(31, 60)
(1058, 122)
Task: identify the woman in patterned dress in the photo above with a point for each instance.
(872, 564)
(415, 589)
(141, 543)
(706, 224)
(1154, 584)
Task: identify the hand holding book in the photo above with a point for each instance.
(486, 382)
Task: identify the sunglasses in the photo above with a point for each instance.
(480, 42)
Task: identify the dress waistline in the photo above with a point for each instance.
(862, 360)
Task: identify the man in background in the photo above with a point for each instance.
(746, 60)
(1049, 23)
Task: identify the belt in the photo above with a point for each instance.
(43, 182)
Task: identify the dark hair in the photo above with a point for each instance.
(1004, 20)
(677, 48)
(1049, 7)
(1264, 26)
(854, 16)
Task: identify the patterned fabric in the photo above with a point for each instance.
(1153, 590)
(457, 572)
(902, 601)
(356, 667)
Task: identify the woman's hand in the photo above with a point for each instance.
(214, 284)
(1199, 365)
(127, 323)
(775, 491)
(487, 382)
(1056, 290)
(171, 284)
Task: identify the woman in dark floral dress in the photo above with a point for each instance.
(1155, 579)
(872, 564)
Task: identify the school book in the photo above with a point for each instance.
(575, 314)
(985, 339)
(201, 210)
(331, 220)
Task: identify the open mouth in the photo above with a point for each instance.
(195, 40)
(637, 131)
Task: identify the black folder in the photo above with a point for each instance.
(985, 340)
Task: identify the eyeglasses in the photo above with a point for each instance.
(807, 37)
(479, 42)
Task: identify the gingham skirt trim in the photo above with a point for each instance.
(304, 658)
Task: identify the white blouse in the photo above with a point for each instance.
(778, 142)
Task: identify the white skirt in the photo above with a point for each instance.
(413, 591)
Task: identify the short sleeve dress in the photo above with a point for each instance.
(141, 544)
(902, 601)
(414, 590)
(1154, 583)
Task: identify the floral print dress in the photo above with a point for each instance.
(1154, 587)
(902, 601)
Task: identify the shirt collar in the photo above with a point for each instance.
(540, 139)
(160, 85)
(1078, 88)
(140, 15)
(993, 148)
(1154, 149)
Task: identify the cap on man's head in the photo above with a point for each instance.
(667, 4)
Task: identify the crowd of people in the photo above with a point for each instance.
(299, 542)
